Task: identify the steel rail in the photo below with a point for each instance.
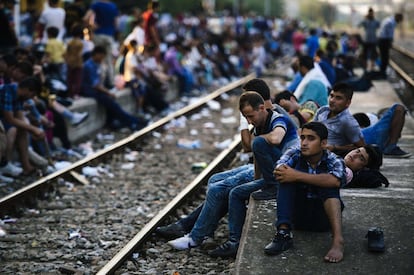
(398, 69)
(141, 237)
(25, 193)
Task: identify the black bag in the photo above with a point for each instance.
(369, 178)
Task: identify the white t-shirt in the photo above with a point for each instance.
(53, 17)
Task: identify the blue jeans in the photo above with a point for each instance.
(216, 201)
(112, 107)
(379, 132)
(237, 207)
(302, 204)
(266, 156)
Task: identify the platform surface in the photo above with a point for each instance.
(390, 208)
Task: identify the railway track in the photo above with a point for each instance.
(402, 63)
(92, 227)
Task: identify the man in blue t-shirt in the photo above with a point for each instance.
(273, 133)
(102, 18)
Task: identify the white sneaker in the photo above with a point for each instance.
(11, 170)
(4, 179)
(78, 118)
(2, 232)
(183, 243)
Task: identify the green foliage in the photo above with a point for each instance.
(317, 13)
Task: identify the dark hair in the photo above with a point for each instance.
(374, 156)
(343, 88)
(283, 95)
(77, 30)
(318, 127)
(31, 83)
(362, 119)
(250, 98)
(259, 86)
(52, 32)
(25, 67)
(306, 61)
(98, 50)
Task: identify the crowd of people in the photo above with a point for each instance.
(304, 135)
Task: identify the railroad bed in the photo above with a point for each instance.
(79, 227)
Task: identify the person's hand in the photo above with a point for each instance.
(285, 174)
(38, 133)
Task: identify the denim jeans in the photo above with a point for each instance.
(216, 202)
(379, 132)
(266, 156)
(189, 221)
(113, 109)
(297, 197)
(237, 207)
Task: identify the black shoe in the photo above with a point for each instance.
(171, 231)
(225, 250)
(282, 241)
(266, 193)
(375, 240)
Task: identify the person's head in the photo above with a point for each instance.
(259, 86)
(252, 106)
(98, 54)
(313, 138)
(366, 156)
(286, 100)
(305, 64)
(340, 97)
(77, 30)
(370, 14)
(22, 70)
(398, 17)
(53, 3)
(52, 32)
(28, 88)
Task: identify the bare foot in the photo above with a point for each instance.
(336, 253)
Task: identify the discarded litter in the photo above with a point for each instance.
(74, 233)
(229, 120)
(198, 166)
(131, 156)
(214, 105)
(188, 144)
(127, 166)
(223, 145)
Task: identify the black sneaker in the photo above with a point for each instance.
(396, 152)
(375, 240)
(266, 193)
(225, 250)
(282, 241)
(171, 231)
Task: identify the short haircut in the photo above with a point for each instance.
(374, 156)
(283, 95)
(259, 86)
(25, 67)
(99, 50)
(343, 88)
(362, 119)
(318, 127)
(250, 98)
(31, 83)
(306, 61)
(52, 32)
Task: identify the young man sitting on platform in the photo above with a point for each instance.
(310, 178)
(345, 133)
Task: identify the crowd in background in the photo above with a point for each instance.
(93, 51)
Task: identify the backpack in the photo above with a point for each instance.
(369, 178)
